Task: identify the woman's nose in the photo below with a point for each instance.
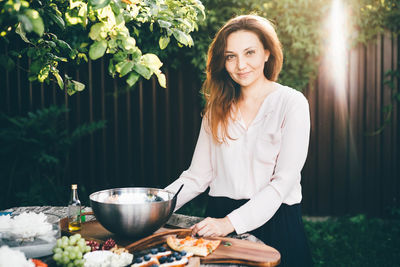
(241, 63)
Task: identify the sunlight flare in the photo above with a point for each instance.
(337, 49)
(336, 60)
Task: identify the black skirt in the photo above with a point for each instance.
(284, 231)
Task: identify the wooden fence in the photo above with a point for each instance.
(151, 131)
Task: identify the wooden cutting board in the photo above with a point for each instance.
(231, 250)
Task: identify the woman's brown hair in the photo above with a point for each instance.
(220, 91)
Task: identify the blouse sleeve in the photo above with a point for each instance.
(197, 178)
(292, 155)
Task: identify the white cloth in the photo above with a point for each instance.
(262, 163)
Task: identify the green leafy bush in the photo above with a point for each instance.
(354, 241)
(60, 31)
(34, 154)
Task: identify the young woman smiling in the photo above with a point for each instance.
(252, 144)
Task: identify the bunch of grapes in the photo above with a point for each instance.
(93, 245)
(109, 244)
(69, 251)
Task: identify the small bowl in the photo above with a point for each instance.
(133, 211)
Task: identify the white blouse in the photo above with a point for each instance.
(262, 163)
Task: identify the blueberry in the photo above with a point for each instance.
(153, 251)
(175, 254)
(170, 259)
(163, 259)
(162, 249)
(138, 260)
(183, 253)
(147, 257)
(154, 265)
(178, 257)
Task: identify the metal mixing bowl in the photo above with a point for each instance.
(133, 211)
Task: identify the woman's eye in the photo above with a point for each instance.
(229, 57)
(250, 52)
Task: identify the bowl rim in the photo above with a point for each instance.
(132, 187)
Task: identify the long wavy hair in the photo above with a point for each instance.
(219, 90)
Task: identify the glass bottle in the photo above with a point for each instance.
(74, 210)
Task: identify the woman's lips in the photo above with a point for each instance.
(243, 75)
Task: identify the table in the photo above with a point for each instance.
(55, 213)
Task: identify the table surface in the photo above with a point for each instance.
(179, 220)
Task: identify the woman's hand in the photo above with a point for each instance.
(213, 227)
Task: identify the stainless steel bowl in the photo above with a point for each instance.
(133, 211)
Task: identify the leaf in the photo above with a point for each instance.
(78, 86)
(36, 21)
(129, 43)
(70, 89)
(60, 81)
(26, 23)
(111, 68)
(74, 4)
(57, 19)
(95, 31)
(97, 4)
(161, 79)
(164, 24)
(66, 47)
(227, 244)
(132, 79)
(182, 37)
(116, 7)
(142, 70)
(97, 49)
(120, 56)
(152, 62)
(20, 31)
(112, 43)
(124, 67)
(72, 19)
(43, 73)
(163, 42)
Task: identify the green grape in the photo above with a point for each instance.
(81, 242)
(79, 262)
(59, 242)
(65, 253)
(65, 260)
(57, 249)
(76, 249)
(72, 240)
(64, 244)
(71, 264)
(57, 256)
(72, 255)
(87, 249)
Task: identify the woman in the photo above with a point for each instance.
(252, 144)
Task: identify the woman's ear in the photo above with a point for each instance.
(267, 53)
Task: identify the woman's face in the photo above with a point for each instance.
(245, 57)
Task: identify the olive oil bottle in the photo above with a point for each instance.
(74, 210)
